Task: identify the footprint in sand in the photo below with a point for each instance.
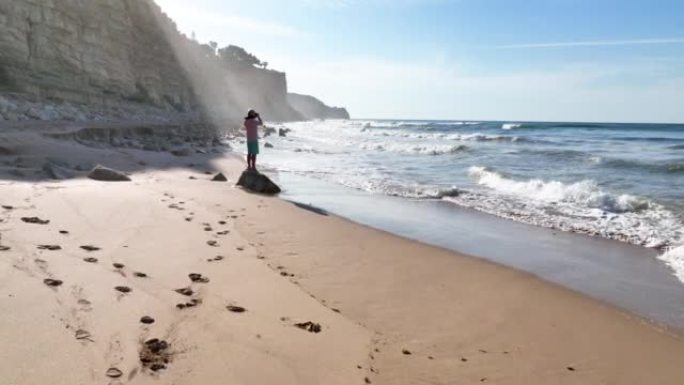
(236, 309)
(90, 260)
(35, 220)
(193, 302)
(83, 335)
(309, 326)
(155, 355)
(196, 277)
(123, 289)
(186, 291)
(52, 282)
(50, 247)
(113, 373)
(213, 243)
(216, 258)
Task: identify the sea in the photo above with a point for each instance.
(611, 181)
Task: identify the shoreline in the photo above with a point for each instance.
(391, 310)
(626, 276)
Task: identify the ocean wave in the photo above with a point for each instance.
(677, 147)
(674, 257)
(584, 193)
(414, 148)
(510, 126)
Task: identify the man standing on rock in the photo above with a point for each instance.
(252, 123)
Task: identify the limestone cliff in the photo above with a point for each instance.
(70, 56)
(312, 108)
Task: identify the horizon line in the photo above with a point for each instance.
(593, 43)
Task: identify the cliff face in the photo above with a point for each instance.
(89, 51)
(118, 56)
(312, 108)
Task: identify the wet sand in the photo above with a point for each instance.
(173, 278)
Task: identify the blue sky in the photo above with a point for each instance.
(581, 60)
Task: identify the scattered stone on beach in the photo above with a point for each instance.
(154, 354)
(216, 258)
(219, 178)
(367, 380)
(50, 247)
(82, 334)
(35, 220)
(113, 373)
(184, 151)
(147, 320)
(222, 223)
(123, 289)
(104, 174)
(406, 352)
(224, 232)
(90, 260)
(90, 248)
(212, 243)
(63, 232)
(52, 282)
(268, 145)
(5, 248)
(463, 359)
(236, 309)
(7, 207)
(255, 181)
(571, 368)
(140, 274)
(118, 265)
(196, 277)
(309, 326)
(185, 291)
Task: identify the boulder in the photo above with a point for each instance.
(105, 174)
(219, 178)
(255, 181)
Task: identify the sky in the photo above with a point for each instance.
(511, 60)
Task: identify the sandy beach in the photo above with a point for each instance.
(246, 289)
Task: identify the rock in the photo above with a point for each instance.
(181, 151)
(219, 178)
(283, 131)
(147, 320)
(268, 145)
(309, 326)
(255, 181)
(108, 175)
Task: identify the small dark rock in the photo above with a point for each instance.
(50, 247)
(5, 248)
(406, 352)
(118, 265)
(123, 289)
(90, 248)
(90, 260)
(219, 178)
(195, 277)
(147, 320)
(140, 275)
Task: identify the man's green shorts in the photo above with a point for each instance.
(252, 147)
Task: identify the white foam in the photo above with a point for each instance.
(585, 193)
(674, 257)
(410, 148)
(510, 126)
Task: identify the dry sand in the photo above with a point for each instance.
(391, 311)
